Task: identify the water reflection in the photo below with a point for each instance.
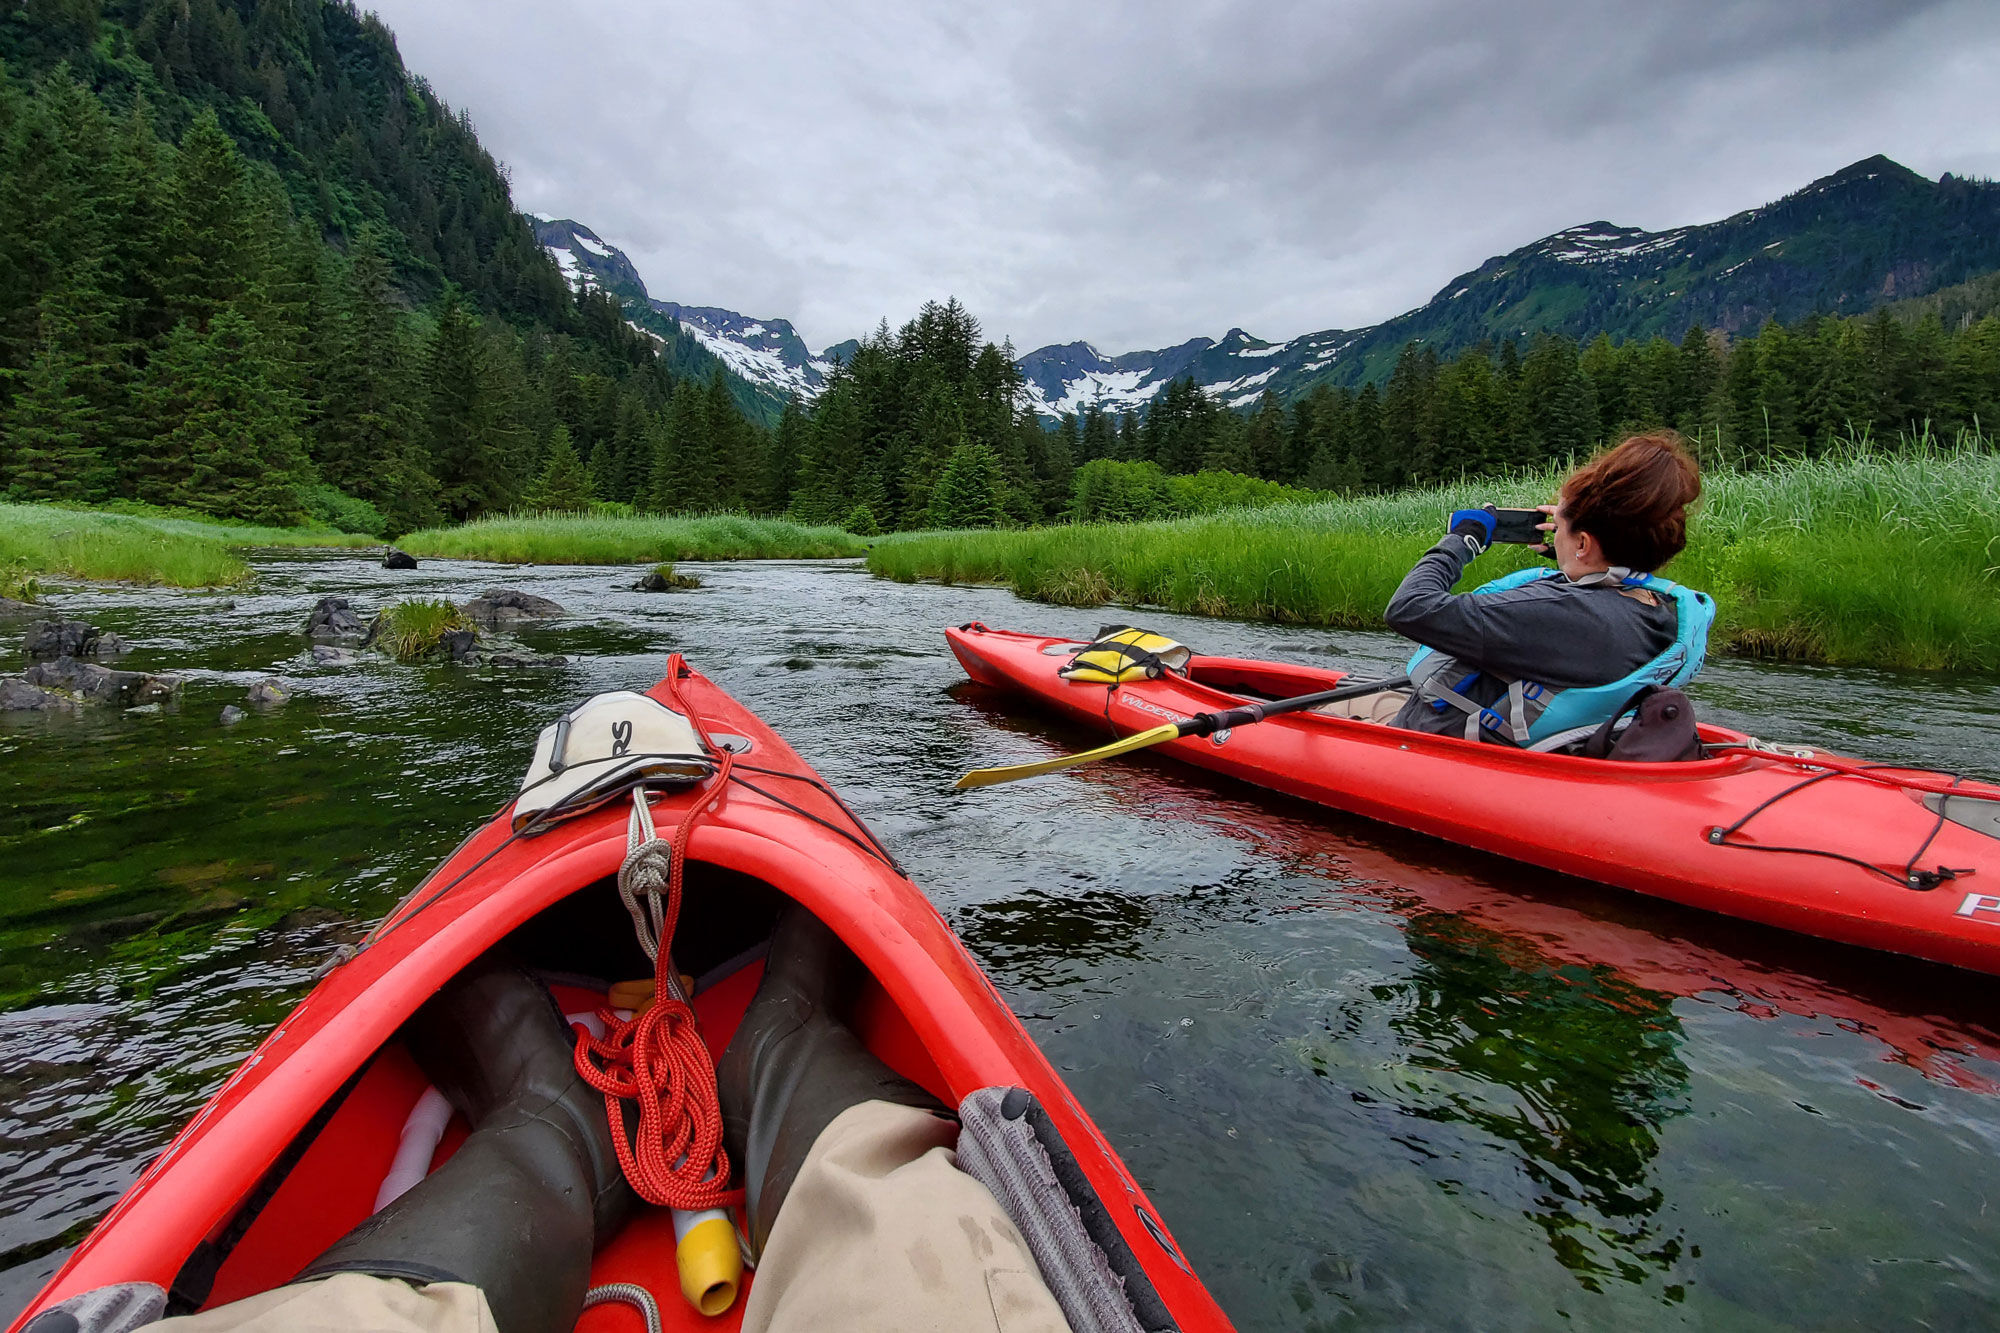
(1571, 1067)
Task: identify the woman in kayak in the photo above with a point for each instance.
(1542, 658)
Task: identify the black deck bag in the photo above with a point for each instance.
(1661, 731)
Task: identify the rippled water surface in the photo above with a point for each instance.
(1371, 1079)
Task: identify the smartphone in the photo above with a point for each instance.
(1522, 526)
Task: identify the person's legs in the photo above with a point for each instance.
(514, 1216)
(881, 1230)
(878, 1229)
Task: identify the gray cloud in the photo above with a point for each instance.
(1138, 174)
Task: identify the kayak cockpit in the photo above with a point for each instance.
(334, 1174)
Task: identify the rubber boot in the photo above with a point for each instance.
(522, 1205)
(792, 1066)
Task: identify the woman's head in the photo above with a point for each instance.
(1633, 499)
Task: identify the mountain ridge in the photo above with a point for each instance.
(1871, 233)
(765, 356)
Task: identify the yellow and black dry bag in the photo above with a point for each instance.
(1122, 653)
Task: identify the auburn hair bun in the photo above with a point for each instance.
(1634, 499)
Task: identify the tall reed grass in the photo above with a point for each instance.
(1855, 557)
(609, 539)
(194, 523)
(45, 540)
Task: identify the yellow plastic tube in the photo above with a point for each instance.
(711, 1264)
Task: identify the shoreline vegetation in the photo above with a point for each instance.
(557, 538)
(142, 544)
(1855, 558)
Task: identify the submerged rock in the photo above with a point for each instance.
(333, 618)
(68, 638)
(459, 645)
(325, 654)
(506, 606)
(505, 659)
(101, 684)
(231, 715)
(269, 690)
(395, 559)
(18, 696)
(10, 607)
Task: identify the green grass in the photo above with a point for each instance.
(609, 539)
(1861, 558)
(413, 630)
(38, 539)
(194, 523)
(140, 544)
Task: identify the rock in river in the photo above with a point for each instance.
(505, 606)
(18, 696)
(395, 559)
(231, 715)
(333, 618)
(70, 638)
(459, 645)
(269, 690)
(101, 684)
(325, 654)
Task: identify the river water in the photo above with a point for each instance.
(1372, 1080)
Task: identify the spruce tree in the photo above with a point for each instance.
(967, 494)
(937, 428)
(1267, 443)
(693, 486)
(45, 449)
(1058, 469)
(366, 439)
(210, 247)
(230, 451)
(1701, 377)
(473, 436)
(565, 483)
(781, 464)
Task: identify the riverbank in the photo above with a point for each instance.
(1880, 560)
(139, 544)
(604, 539)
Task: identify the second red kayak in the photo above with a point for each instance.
(1875, 855)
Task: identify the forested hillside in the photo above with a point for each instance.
(256, 268)
(1788, 391)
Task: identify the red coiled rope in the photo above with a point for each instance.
(674, 1157)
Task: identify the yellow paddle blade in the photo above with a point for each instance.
(992, 777)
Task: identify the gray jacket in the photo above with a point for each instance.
(1551, 630)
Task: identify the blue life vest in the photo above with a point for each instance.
(1542, 717)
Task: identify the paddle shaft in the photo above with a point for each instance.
(1207, 724)
(1201, 724)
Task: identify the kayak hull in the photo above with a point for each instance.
(1649, 828)
(929, 1011)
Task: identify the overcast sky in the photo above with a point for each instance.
(1140, 172)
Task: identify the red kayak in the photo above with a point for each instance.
(291, 1152)
(1880, 856)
